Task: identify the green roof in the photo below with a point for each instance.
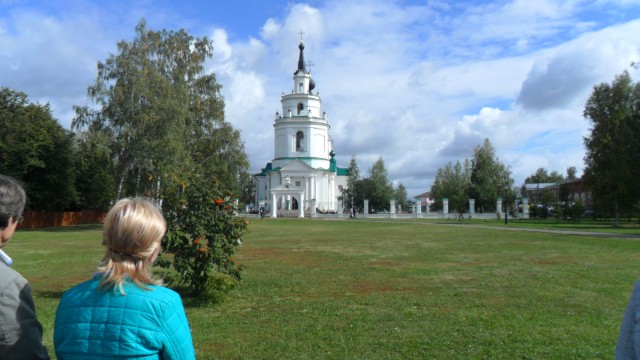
(264, 171)
(343, 171)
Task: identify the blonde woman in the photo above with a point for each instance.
(123, 311)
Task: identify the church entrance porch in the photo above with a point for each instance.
(287, 199)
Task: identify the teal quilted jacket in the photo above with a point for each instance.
(143, 324)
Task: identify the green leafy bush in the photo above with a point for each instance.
(203, 234)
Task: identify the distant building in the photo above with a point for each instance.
(303, 173)
(425, 199)
(575, 190)
(534, 191)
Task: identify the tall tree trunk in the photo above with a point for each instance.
(119, 189)
(137, 187)
(158, 195)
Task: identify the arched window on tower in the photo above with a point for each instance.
(299, 141)
(300, 108)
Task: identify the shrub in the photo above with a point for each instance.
(203, 234)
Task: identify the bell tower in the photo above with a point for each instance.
(303, 176)
(302, 130)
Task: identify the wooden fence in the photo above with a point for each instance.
(43, 219)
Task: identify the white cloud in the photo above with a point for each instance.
(222, 49)
(568, 72)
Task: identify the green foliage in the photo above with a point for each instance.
(160, 115)
(577, 211)
(363, 188)
(95, 184)
(35, 149)
(381, 189)
(557, 211)
(613, 145)
(203, 235)
(351, 195)
(542, 176)
(452, 182)
(401, 197)
(547, 198)
(248, 186)
(489, 177)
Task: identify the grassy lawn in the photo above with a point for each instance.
(589, 225)
(319, 289)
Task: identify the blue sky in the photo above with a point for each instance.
(418, 83)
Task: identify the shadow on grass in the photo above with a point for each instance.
(189, 299)
(48, 294)
(192, 300)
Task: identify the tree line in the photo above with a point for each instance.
(483, 178)
(613, 146)
(376, 188)
(156, 123)
(611, 161)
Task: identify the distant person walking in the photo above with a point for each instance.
(20, 330)
(123, 312)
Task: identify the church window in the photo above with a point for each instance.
(299, 141)
(300, 107)
(297, 183)
(300, 87)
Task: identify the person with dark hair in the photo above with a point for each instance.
(123, 311)
(20, 330)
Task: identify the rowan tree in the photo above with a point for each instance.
(161, 117)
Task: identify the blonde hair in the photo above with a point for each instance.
(133, 230)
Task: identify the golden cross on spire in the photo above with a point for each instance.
(301, 35)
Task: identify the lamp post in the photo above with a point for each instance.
(537, 192)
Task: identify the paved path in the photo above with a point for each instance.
(551, 231)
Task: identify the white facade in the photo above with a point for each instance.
(303, 171)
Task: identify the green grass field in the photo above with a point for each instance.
(319, 289)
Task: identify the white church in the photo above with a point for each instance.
(303, 177)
